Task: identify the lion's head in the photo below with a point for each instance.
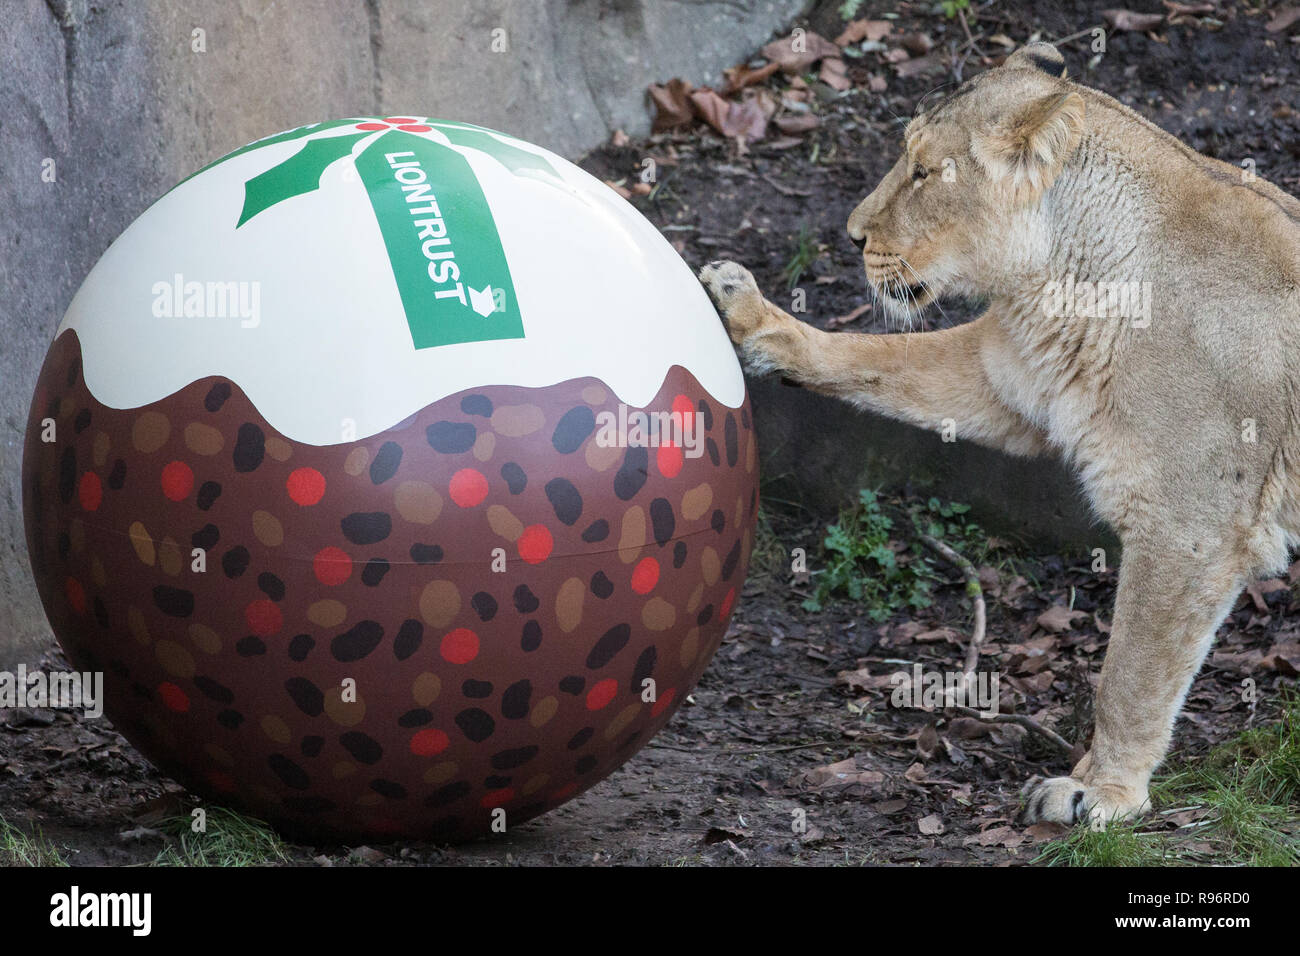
(972, 166)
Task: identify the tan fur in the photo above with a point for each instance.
(1049, 181)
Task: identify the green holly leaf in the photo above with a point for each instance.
(299, 174)
(518, 161)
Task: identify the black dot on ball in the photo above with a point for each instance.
(644, 668)
(209, 492)
(585, 765)
(213, 690)
(580, 738)
(565, 500)
(484, 605)
(416, 717)
(451, 438)
(610, 643)
(409, 637)
(426, 553)
(357, 642)
(496, 782)
(448, 794)
(730, 562)
(712, 448)
(572, 429)
(81, 422)
(363, 748)
(705, 615)
(216, 396)
(250, 448)
(476, 689)
(631, 475)
(511, 759)
(718, 521)
(230, 719)
(515, 700)
(300, 646)
(386, 461)
(271, 586)
(731, 439)
(662, 520)
(308, 697)
(388, 788)
(373, 573)
(174, 602)
(476, 724)
(515, 478)
(601, 585)
(250, 646)
(290, 774)
(235, 561)
(312, 745)
(525, 600)
(679, 554)
(531, 639)
(367, 527)
(479, 405)
(100, 611)
(117, 477)
(598, 530)
(706, 413)
(67, 474)
(572, 684)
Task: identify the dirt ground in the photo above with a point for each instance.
(792, 720)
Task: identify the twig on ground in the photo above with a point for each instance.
(1024, 721)
(976, 593)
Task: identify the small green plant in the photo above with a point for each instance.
(230, 839)
(862, 565)
(849, 9)
(804, 255)
(951, 7)
(947, 521)
(20, 849)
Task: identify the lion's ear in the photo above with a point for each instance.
(1028, 151)
(1038, 56)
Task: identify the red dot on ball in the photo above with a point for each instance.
(468, 487)
(662, 703)
(306, 486)
(372, 126)
(727, 601)
(75, 594)
(460, 646)
(332, 566)
(535, 544)
(670, 460)
(684, 407)
(645, 576)
(177, 480)
(495, 798)
(429, 742)
(90, 491)
(173, 697)
(600, 695)
(400, 119)
(414, 128)
(263, 618)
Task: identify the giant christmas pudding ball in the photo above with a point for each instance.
(398, 476)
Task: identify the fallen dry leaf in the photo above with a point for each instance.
(1058, 618)
(740, 76)
(842, 320)
(931, 825)
(1283, 20)
(794, 124)
(672, 104)
(799, 50)
(835, 74)
(858, 30)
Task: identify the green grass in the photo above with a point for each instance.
(1247, 792)
(21, 849)
(801, 259)
(231, 839)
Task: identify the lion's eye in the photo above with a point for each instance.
(919, 172)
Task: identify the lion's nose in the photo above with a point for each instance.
(861, 243)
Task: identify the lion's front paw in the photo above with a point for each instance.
(1070, 801)
(735, 293)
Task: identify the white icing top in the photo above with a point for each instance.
(300, 307)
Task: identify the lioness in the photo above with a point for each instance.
(1180, 414)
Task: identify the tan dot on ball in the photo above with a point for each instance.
(344, 768)
(97, 572)
(484, 446)
(710, 566)
(101, 449)
(356, 461)
(278, 448)
(267, 529)
(441, 772)
(344, 713)
(696, 598)
(150, 432)
(439, 603)
(327, 613)
(203, 439)
(543, 711)
(740, 512)
(175, 659)
(169, 557)
(276, 729)
(503, 522)
(593, 395)
(602, 457)
(658, 614)
(534, 783)
(138, 625)
(751, 454)
(418, 502)
(205, 638)
(631, 536)
(426, 688)
(690, 644)
(568, 604)
(515, 421)
(625, 717)
(66, 406)
(219, 755)
(77, 535)
(696, 501)
(142, 543)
